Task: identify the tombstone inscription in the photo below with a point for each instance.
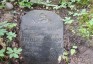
(41, 34)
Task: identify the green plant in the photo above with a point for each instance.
(6, 31)
(2, 32)
(8, 25)
(13, 53)
(10, 35)
(77, 12)
(64, 3)
(2, 51)
(11, 25)
(68, 20)
(1, 5)
(63, 57)
(83, 2)
(67, 3)
(66, 54)
(73, 50)
(3, 24)
(25, 3)
(86, 25)
(71, 3)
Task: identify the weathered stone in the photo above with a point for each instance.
(41, 37)
(9, 6)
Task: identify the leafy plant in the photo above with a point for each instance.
(25, 3)
(79, 13)
(64, 3)
(68, 3)
(83, 11)
(1, 5)
(86, 25)
(6, 24)
(2, 32)
(11, 25)
(2, 51)
(71, 3)
(84, 32)
(13, 53)
(83, 2)
(10, 35)
(6, 32)
(3, 24)
(73, 50)
(68, 20)
(65, 56)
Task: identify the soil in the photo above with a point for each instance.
(84, 57)
(84, 53)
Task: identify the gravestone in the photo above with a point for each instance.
(41, 34)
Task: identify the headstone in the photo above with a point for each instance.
(41, 34)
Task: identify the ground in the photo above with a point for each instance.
(84, 57)
(85, 50)
(84, 53)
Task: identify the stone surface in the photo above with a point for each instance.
(9, 5)
(41, 34)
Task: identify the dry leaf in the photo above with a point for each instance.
(2, 43)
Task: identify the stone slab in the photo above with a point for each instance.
(41, 34)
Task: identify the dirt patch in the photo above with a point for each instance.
(84, 57)
(85, 54)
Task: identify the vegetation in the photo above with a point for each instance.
(13, 52)
(25, 3)
(81, 10)
(7, 33)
